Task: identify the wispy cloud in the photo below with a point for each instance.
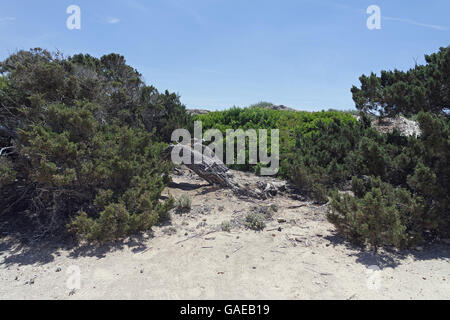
(113, 20)
(409, 21)
(136, 5)
(416, 23)
(7, 19)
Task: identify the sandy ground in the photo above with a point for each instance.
(297, 256)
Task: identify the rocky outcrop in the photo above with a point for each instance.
(280, 107)
(404, 126)
(197, 111)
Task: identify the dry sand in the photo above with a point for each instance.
(192, 258)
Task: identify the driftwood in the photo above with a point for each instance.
(210, 168)
(4, 151)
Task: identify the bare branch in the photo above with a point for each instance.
(212, 170)
(5, 149)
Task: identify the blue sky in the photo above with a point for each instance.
(305, 54)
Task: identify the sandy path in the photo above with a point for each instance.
(305, 260)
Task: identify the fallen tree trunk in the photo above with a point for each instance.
(210, 168)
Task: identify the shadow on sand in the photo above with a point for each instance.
(391, 257)
(21, 245)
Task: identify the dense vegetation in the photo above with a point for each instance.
(290, 125)
(86, 137)
(400, 184)
(82, 144)
(401, 187)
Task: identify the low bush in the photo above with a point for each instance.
(255, 221)
(382, 216)
(225, 226)
(183, 203)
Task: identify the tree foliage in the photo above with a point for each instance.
(289, 123)
(88, 138)
(422, 88)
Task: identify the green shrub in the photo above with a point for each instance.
(115, 221)
(384, 216)
(323, 158)
(414, 191)
(255, 221)
(117, 169)
(359, 187)
(225, 226)
(291, 125)
(91, 141)
(183, 203)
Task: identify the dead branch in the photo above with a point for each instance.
(3, 150)
(211, 168)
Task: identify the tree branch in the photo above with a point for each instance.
(5, 149)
